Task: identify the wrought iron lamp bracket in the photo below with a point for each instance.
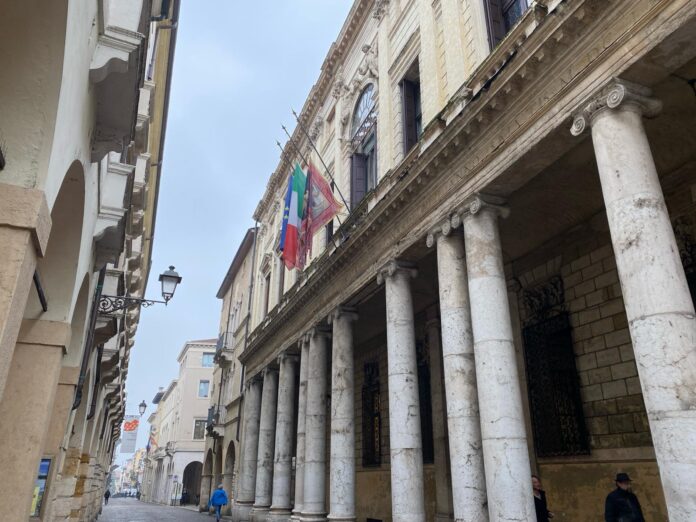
(109, 304)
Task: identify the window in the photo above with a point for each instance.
(281, 279)
(203, 388)
(412, 116)
(426, 409)
(40, 487)
(372, 421)
(199, 429)
(558, 421)
(207, 360)
(501, 15)
(266, 292)
(363, 169)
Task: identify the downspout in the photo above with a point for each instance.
(246, 326)
(90, 338)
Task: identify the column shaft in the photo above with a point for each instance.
(503, 432)
(342, 468)
(406, 449)
(314, 504)
(264, 464)
(249, 453)
(656, 295)
(463, 422)
(301, 415)
(285, 420)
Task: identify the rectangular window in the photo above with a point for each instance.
(203, 388)
(40, 487)
(372, 420)
(358, 178)
(501, 15)
(412, 116)
(199, 429)
(267, 293)
(281, 279)
(207, 360)
(558, 421)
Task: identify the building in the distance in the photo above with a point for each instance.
(512, 291)
(221, 463)
(174, 461)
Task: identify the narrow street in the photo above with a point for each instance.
(132, 510)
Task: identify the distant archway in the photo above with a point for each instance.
(191, 482)
(228, 476)
(206, 479)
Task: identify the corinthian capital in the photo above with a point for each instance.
(616, 94)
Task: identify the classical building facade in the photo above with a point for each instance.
(174, 461)
(84, 97)
(510, 292)
(222, 444)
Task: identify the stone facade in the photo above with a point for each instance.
(79, 175)
(517, 262)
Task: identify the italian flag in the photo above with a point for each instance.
(294, 210)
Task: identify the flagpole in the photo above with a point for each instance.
(311, 142)
(340, 223)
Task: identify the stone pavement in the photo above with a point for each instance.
(132, 510)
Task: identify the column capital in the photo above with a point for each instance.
(396, 266)
(290, 357)
(478, 203)
(319, 331)
(267, 370)
(618, 93)
(444, 228)
(381, 9)
(254, 379)
(346, 311)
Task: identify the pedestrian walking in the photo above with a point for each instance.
(622, 505)
(542, 510)
(217, 500)
(107, 494)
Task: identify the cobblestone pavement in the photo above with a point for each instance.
(132, 510)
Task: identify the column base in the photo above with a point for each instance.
(241, 511)
(259, 513)
(443, 517)
(313, 517)
(339, 518)
(296, 516)
(278, 515)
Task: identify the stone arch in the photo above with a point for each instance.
(191, 482)
(58, 268)
(206, 480)
(32, 48)
(228, 473)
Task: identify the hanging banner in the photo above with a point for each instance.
(129, 433)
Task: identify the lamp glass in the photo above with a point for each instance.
(142, 407)
(169, 279)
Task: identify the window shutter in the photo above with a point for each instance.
(408, 114)
(358, 178)
(495, 21)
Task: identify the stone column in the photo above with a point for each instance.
(25, 224)
(503, 431)
(406, 446)
(443, 485)
(264, 464)
(301, 414)
(342, 466)
(26, 409)
(285, 421)
(463, 422)
(658, 305)
(314, 502)
(250, 443)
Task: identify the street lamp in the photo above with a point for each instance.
(111, 303)
(142, 407)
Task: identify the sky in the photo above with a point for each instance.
(239, 69)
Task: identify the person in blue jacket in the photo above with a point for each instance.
(218, 500)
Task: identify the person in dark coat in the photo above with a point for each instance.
(621, 504)
(107, 494)
(542, 510)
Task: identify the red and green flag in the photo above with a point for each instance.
(292, 218)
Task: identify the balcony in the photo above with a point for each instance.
(213, 426)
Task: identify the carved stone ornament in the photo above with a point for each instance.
(617, 93)
(444, 228)
(316, 128)
(339, 88)
(474, 205)
(545, 300)
(393, 267)
(368, 67)
(381, 9)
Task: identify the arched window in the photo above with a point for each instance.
(364, 144)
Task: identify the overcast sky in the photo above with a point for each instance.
(239, 69)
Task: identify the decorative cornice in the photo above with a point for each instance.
(618, 93)
(394, 267)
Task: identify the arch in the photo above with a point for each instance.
(191, 482)
(363, 107)
(228, 475)
(31, 33)
(58, 268)
(206, 481)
